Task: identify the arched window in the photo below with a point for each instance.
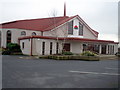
(33, 34)
(8, 36)
(0, 39)
(23, 33)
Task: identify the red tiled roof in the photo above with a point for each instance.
(43, 24)
(35, 24)
(70, 38)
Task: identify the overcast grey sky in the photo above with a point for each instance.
(100, 15)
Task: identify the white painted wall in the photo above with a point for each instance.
(27, 46)
(76, 47)
(62, 31)
(75, 31)
(88, 34)
(37, 46)
(16, 33)
(115, 48)
(58, 32)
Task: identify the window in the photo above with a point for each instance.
(23, 46)
(66, 47)
(41, 33)
(23, 33)
(43, 48)
(8, 37)
(57, 47)
(103, 50)
(113, 49)
(50, 48)
(70, 27)
(33, 34)
(96, 48)
(80, 29)
(84, 47)
(108, 49)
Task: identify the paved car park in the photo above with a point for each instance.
(29, 72)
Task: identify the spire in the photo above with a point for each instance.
(64, 9)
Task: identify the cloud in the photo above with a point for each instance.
(112, 37)
(101, 15)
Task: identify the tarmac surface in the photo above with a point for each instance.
(29, 72)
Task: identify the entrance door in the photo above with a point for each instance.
(103, 49)
(66, 47)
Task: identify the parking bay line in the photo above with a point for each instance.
(112, 68)
(82, 72)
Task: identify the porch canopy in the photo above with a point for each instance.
(70, 38)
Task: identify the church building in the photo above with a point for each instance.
(46, 36)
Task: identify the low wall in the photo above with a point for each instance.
(71, 57)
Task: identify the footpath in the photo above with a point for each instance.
(109, 57)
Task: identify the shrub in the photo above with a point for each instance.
(88, 53)
(117, 54)
(67, 53)
(7, 52)
(13, 47)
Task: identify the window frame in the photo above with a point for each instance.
(8, 36)
(43, 48)
(34, 34)
(70, 27)
(23, 33)
(80, 29)
(57, 47)
(23, 45)
(51, 46)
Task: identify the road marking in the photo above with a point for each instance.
(112, 68)
(82, 72)
(20, 57)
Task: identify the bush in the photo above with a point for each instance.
(117, 54)
(13, 47)
(7, 52)
(88, 53)
(67, 53)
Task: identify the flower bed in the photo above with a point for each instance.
(71, 57)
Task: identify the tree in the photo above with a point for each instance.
(54, 31)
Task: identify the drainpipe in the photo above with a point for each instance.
(31, 46)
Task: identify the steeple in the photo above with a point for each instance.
(64, 9)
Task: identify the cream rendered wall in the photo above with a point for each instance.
(16, 33)
(60, 32)
(115, 48)
(88, 34)
(37, 48)
(3, 38)
(75, 31)
(27, 46)
(76, 47)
